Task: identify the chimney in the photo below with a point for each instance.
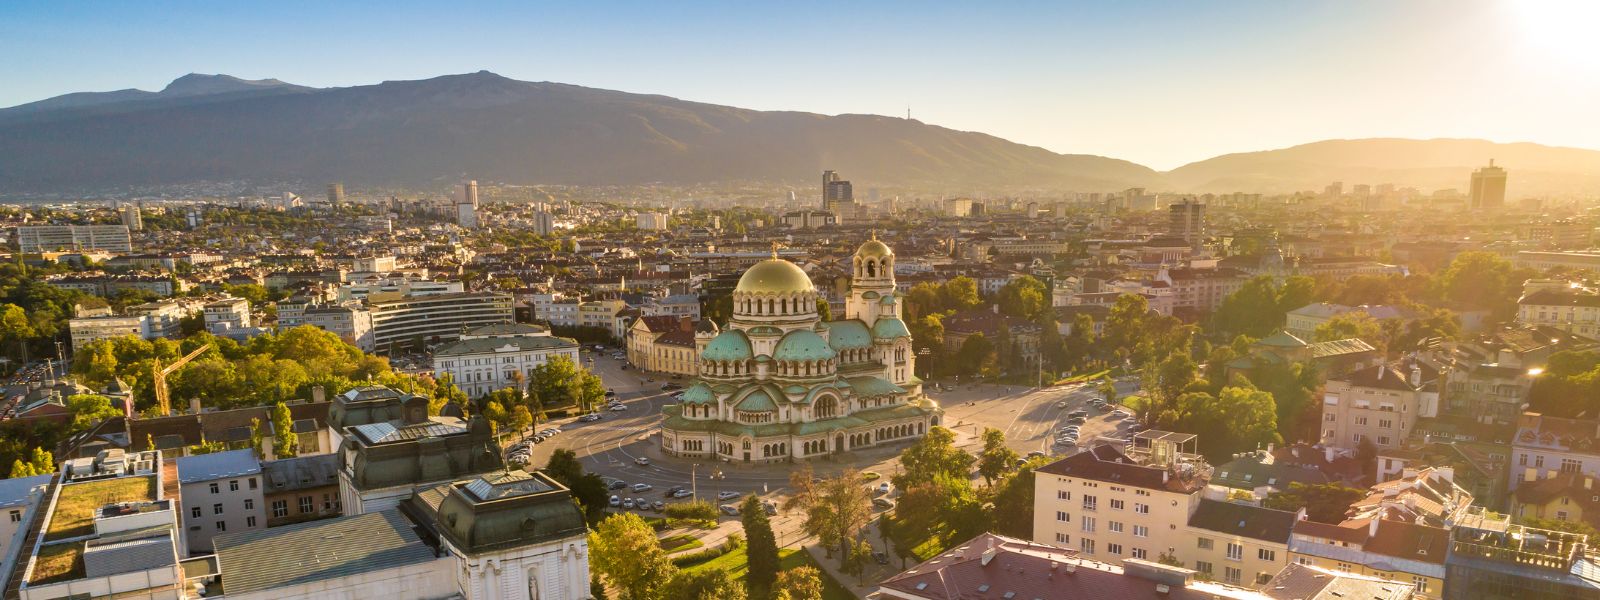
(319, 394)
(1416, 376)
(1372, 527)
(194, 406)
(685, 323)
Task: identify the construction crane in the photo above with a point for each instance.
(164, 398)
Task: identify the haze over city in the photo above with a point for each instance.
(1238, 300)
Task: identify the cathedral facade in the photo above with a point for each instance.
(780, 383)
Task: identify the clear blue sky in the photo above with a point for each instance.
(1160, 83)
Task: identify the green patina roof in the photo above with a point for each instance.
(757, 401)
(889, 328)
(765, 330)
(869, 386)
(675, 421)
(1282, 339)
(699, 393)
(888, 299)
(870, 295)
(802, 344)
(728, 345)
(844, 335)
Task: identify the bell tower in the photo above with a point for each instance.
(871, 280)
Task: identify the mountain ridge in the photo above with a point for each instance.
(432, 131)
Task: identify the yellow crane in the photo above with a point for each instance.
(164, 398)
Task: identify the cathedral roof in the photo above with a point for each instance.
(890, 328)
(774, 276)
(728, 345)
(874, 249)
(699, 393)
(757, 401)
(803, 344)
(848, 334)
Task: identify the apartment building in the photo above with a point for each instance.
(1236, 543)
(1546, 446)
(300, 489)
(226, 315)
(221, 492)
(1110, 505)
(1562, 305)
(1380, 403)
(350, 322)
(1201, 290)
(43, 238)
(88, 329)
(20, 498)
(603, 314)
(396, 285)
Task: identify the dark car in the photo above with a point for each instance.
(881, 557)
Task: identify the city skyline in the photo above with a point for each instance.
(1160, 85)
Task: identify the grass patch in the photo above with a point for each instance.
(680, 542)
(74, 515)
(57, 563)
(929, 548)
(1086, 377)
(737, 564)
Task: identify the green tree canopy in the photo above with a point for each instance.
(624, 549)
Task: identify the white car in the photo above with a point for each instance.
(615, 501)
(885, 487)
(618, 407)
(642, 461)
(682, 494)
(641, 487)
(627, 503)
(728, 495)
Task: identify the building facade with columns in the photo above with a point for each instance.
(779, 383)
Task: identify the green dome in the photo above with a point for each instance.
(757, 401)
(890, 328)
(803, 344)
(874, 249)
(699, 393)
(728, 345)
(843, 335)
(774, 276)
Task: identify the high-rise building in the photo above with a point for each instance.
(469, 193)
(651, 221)
(835, 192)
(336, 194)
(49, 238)
(132, 217)
(1488, 187)
(543, 223)
(1187, 220)
(467, 215)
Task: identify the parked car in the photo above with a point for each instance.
(881, 558)
(627, 503)
(618, 408)
(674, 489)
(1078, 420)
(728, 495)
(730, 510)
(641, 503)
(885, 487)
(618, 484)
(658, 505)
(772, 507)
(641, 487)
(1035, 454)
(615, 501)
(883, 503)
(682, 494)
(1061, 404)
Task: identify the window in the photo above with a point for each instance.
(1116, 505)
(1063, 539)
(194, 512)
(1087, 545)
(1063, 495)
(16, 516)
(1143, 509)
(253, 480)
(1383, 440)
(1386, 423)
(1140, 553)
(1088, 524)
(1204, 543)
(1570, 465)
(1089, 502)
(216, 509)
(1141, 531)
(1063, 517)
(1203, 567)
(249, 521)
(1561, 515)
(307, 504)
(1330, 417)
(1538, 461)
(1522, 460)
(1114, 526)
(214, 488)
(1267, 555)
(280, 509)
(1361, 420)
(233, 486)
(1358, 437)
(1114, 549)
(222, 525)
(249, 503)
(1420, 582)
(1235, 551)
(1231, 574)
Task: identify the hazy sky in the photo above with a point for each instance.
(1159, 83)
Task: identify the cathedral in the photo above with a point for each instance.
(780, 383)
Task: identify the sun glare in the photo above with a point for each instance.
(1562, 30)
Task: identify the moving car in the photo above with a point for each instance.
(730, 510)
(641, 487)
(883, 503)
(682, 494)
(642, 461)
(882, 558)
(618, 407)
(885, 487)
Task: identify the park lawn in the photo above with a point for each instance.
(678, 542)
(77, 503)
(736, 563)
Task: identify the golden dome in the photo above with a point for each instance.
(774, 276)
(874, 249)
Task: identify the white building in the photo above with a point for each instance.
(1567, 306)
(221, 493)
(350, 322)
(418, 321)
(362, 288)
(20, 499)
(488, 358)
(88, 329)
(227, 315)
(46, 238)
(651, 221)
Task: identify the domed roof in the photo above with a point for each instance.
(803, 344)
(890, 328)
(699, 393)
(774, 276)
(728, 345)
(874, 249)
(757, 401)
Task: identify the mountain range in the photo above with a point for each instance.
(489, 127)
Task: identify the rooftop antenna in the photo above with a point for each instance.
(908, 118)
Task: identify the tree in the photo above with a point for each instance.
(1024, 297)
(1568, 526)
(960, 294)
(932, 455)
(285, 443)
(1108, 389)
(1124, 326)
(89, 409)
(21, 469)
(762, 548)
(834, 509)
(1013, 501)
(704, 584)
(976, 355)
(1237, 419)
(800, 583)
(588, 490)
(15, 327)
(1478, 280)
(996, 459)
(854, 561)
(95, 364)
(824, 309)
(521, 418)
(1324, 502)
(624, 549)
